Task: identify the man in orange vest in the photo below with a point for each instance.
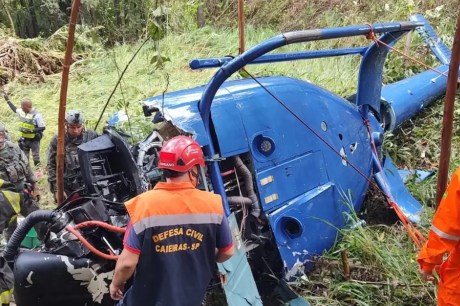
(444, 237)
(175, 235)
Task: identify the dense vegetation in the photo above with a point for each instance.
(384, 271)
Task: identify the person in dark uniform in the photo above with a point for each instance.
(17, 185)
(76, 134)
(31, 127)
(176, 235)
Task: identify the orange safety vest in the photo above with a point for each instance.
(443, 238)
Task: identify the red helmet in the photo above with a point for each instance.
(180, 154)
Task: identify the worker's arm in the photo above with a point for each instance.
(224, 241)
(224, 254)
(444, 234)
(39, 123)
(126, 265)
(51, 165)
(10, 104)
(432, 253)
(39, 129)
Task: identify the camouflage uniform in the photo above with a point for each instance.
(72, 175)
(14, 173)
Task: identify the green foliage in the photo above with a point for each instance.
(382, 269)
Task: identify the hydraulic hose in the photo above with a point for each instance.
(244, 171)
(24, 227)
(88, 245)
(107, 226)
(236, 200)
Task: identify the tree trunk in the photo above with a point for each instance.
(33, 19)
(116, 10)
(24, 30)
(9, 15)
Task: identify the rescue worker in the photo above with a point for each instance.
(15, 178)
(175, 236)
(31, 127)
(76, 133)
(444, 238)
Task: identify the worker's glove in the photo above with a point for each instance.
(29, 188)
(21, 143)
(36, 194)
(31, 192)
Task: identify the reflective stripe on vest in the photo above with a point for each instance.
(14, 199)
(171, 220)
(444, 235)
(26, 124)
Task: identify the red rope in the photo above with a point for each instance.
(413, 232)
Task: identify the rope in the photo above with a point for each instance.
(371, 36)
(413, 232)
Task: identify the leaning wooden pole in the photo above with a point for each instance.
(241, 25)
(447, 122)
(63, 101)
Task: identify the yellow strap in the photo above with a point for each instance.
(1, 182)
(14, 198)
(5, 296)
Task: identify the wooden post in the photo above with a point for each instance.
(63, 101)
(346, 264)
(241, 26)
(447, 123)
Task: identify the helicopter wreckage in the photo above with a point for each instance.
(279, 150)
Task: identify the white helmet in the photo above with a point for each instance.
(74, 117)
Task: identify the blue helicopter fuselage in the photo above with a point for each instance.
(303, 184)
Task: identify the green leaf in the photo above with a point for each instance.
(156, 32)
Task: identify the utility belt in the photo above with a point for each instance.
(38, 136)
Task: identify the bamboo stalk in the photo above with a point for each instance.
(63, 101)
(241, 26)
(9, 16)
(447, 123)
